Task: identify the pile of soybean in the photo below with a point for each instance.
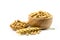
(36, 22)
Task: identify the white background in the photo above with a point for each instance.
(11, 10)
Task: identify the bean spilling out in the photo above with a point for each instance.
(17, 24)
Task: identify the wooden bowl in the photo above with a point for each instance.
(42, 22)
